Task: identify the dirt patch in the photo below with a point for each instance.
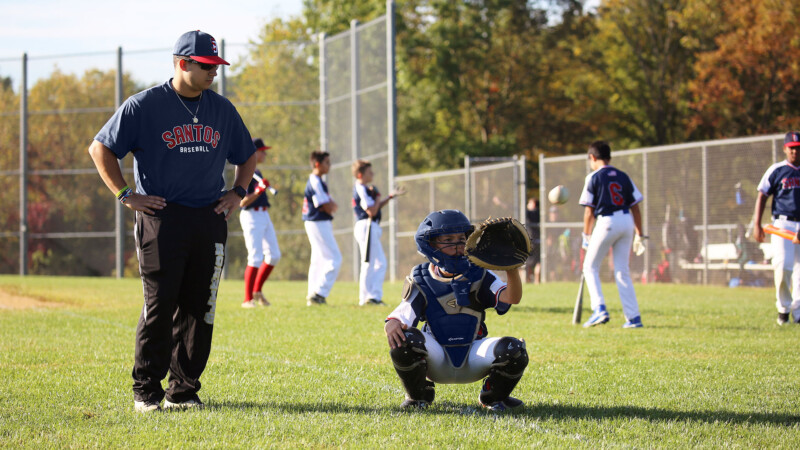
(12, 301)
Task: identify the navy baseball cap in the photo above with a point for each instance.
(260, 144)
(199, 46)
(792, 139)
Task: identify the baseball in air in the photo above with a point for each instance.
(558, 195)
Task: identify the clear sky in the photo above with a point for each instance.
(55, 27)
(45, 28)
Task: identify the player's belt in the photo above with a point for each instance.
(790, 218)
(616, 213)
(259, 208)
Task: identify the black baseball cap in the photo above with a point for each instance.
(198, 46)
(792, 139)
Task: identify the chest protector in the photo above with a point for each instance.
(452, 312)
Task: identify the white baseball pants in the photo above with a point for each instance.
(259, 238)
(325, 257)
(370, 279)
(786, 266)
(611, 232)
(477, 366)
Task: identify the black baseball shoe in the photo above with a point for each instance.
(376, 302)
(504, 405)
(316, 299)
(783, 318)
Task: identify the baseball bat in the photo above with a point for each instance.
(772, 229)
(368, 240)
(578, 311)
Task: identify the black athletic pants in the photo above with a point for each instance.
(181, 253)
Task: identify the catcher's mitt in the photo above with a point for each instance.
(499, 244)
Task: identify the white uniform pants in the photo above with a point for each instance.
(372, 272)
(259, 238)
(786, 265)
(325, 257)
(611, 232)
(476, 367)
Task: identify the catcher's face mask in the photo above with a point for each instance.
(444, 223)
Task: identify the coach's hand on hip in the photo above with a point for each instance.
(228, 202)
(145, 203)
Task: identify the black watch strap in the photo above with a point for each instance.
(240, 191)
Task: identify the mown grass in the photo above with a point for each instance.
(710, 369)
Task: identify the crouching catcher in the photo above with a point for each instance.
(450, 295)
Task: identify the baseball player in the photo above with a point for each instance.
(263, 252)
(367, 204)
(782, 182)
(318, 210)
(451, 295)
(181, 135)
(611, 203)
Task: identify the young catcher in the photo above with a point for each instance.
(367, 204)
(451, 295)
(782, 181)
(318, 210)
(611, 203)
(263, 252)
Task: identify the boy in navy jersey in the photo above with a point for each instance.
(263, 252)
(318, 211)
(367, 204)
(782, 181)
(611, 202)
(181, 135)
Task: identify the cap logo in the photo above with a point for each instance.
(214, 45)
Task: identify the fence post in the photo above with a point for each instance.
(23, 169)
(323, 91)
(467, 187)
(119, 215)
(391, 128)
(355, 117)
(645, 215)
(705, 213)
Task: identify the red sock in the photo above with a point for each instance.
(249, 280)
(263, 274)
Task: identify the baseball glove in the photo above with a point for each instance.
(499, 244)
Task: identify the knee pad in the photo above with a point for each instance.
(510, 357)
(412, 353)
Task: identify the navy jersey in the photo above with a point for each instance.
(609, 189)
(782, 181)
(316, 194)
(173, 157)
(262, 201)
(365, 197)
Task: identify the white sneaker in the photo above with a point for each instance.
(248, 304)
(146, 407)
(260, 299)
(192, 403)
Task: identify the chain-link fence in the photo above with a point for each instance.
(697, 209)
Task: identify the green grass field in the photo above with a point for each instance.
(710, 369)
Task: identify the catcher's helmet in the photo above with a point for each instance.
(446, 221)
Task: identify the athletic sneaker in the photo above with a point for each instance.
(504, 405)
(260, 299)
(315, 299)
(600, 316)
(418, 404)
(783, 318)
(146, 406)
(248, 304)
(192, 403)
(636, 322)
(376, 302)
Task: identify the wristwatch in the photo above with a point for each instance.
(240, 191)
